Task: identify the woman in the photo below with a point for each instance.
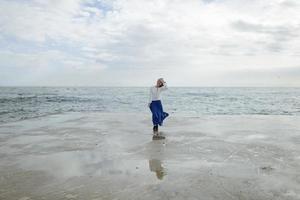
(158, 115)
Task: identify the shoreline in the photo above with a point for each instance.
(147, 114)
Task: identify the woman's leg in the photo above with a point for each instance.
(154, 118)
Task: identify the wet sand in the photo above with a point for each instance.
(112, 156)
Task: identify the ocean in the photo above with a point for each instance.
(18, 103)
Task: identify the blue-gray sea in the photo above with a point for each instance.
(18, 103)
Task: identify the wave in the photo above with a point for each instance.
(25, 103)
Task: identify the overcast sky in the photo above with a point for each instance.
(134, 42)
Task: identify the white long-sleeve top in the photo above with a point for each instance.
(155, 92)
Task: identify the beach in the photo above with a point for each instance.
(94, 155)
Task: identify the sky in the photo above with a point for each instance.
(253, 43)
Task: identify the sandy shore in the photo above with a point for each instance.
(112, 156)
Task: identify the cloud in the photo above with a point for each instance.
(276, 37)
(289, 3)
(279, 32)
(201, 40)
(279, 77)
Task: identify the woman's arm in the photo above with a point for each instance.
(164, 87)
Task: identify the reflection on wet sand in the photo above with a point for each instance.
(157, 155)
(158, 136)
(156, 166)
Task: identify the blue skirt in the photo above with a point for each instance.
(158, 115)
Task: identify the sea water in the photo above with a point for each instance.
(17, 103)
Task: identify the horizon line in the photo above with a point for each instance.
(73, 86)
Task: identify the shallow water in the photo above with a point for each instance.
(18, 103)
(86, 156)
